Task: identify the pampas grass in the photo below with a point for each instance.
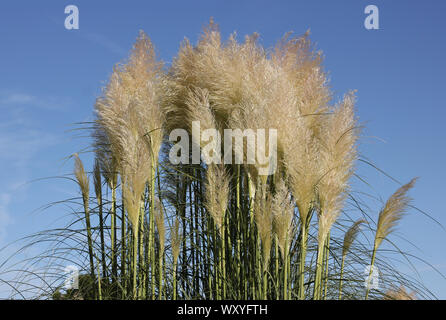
(389, 216)
(129, 113)
(176, 239)
(84, 185)
(337, 156)
(226, 231)
(160, 226)
(217, 191)
(264, 223)
(349, 237)
(400, 294)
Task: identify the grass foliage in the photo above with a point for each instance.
(144, 228)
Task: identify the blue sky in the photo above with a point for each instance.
(51, 76)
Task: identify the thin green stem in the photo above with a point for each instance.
(151, 253)
(123, 248)
(113, 230)
(285, 271)
(174, 281)
(340, 277)
(223, 260)
(303, 251)
(319, 262)
(327, 256)
(160, 275)
(135, 262)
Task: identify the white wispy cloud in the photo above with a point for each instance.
(17, 152)
(17, 98)
(21, 141)
(96, 38)
(106, 43)
(14, 99)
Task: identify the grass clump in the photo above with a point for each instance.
(223, 231)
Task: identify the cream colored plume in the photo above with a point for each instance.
(216, 193)
(160, 224)
(392, 212)
(350, 236)
(131, 103)
(264, 221)
(81, 178)
(283, 212)
(130, 120)
(176, 239)
(337, 157)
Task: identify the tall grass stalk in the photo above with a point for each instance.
(389, 216)
(98, 192)
(349, 237)
(83, 182)
(326, 261)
